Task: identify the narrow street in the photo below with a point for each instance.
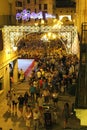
(8, 121)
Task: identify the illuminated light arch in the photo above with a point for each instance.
(13, 34)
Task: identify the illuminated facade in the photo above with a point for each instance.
(7, 12)
(11, 7)
(81, 13)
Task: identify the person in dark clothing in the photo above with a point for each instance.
(26, 96)
(37, 93)
(21, 103)
(32, 91)
(66, 114)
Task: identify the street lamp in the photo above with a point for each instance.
(10, 11)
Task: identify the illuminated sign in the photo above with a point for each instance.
(26, 15)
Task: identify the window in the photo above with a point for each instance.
(28, 1)
(45, 6)
(39, 6)
(1, 41)
(18, 4)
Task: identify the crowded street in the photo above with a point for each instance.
(43, 65)
(16, 122)
(9, 120)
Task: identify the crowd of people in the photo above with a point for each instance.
(56, 73)
(36, 48)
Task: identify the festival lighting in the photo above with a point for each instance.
(26, 15)
(68, 34)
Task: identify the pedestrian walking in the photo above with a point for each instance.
(36, 117)
(65, 114)
(26, 96)
(14, 103)
(32, 91)
(28, 117)
(40, 103)
(9, 98)
(55, 97)
(21, 104)
(22, 77)
(55, 116)
(46, 94)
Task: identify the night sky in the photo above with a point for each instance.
(65, 3)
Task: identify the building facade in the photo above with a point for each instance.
(7, 12)
(9, 8)
(68, 13)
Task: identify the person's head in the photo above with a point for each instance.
(36, 111)
(28, 108)
(20, 95)
(14, 94)
(66, 105)
(26, 92)
(9, 91)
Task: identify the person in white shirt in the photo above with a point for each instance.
(28, 117)
(36, 116)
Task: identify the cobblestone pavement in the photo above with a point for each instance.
(9, 121)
